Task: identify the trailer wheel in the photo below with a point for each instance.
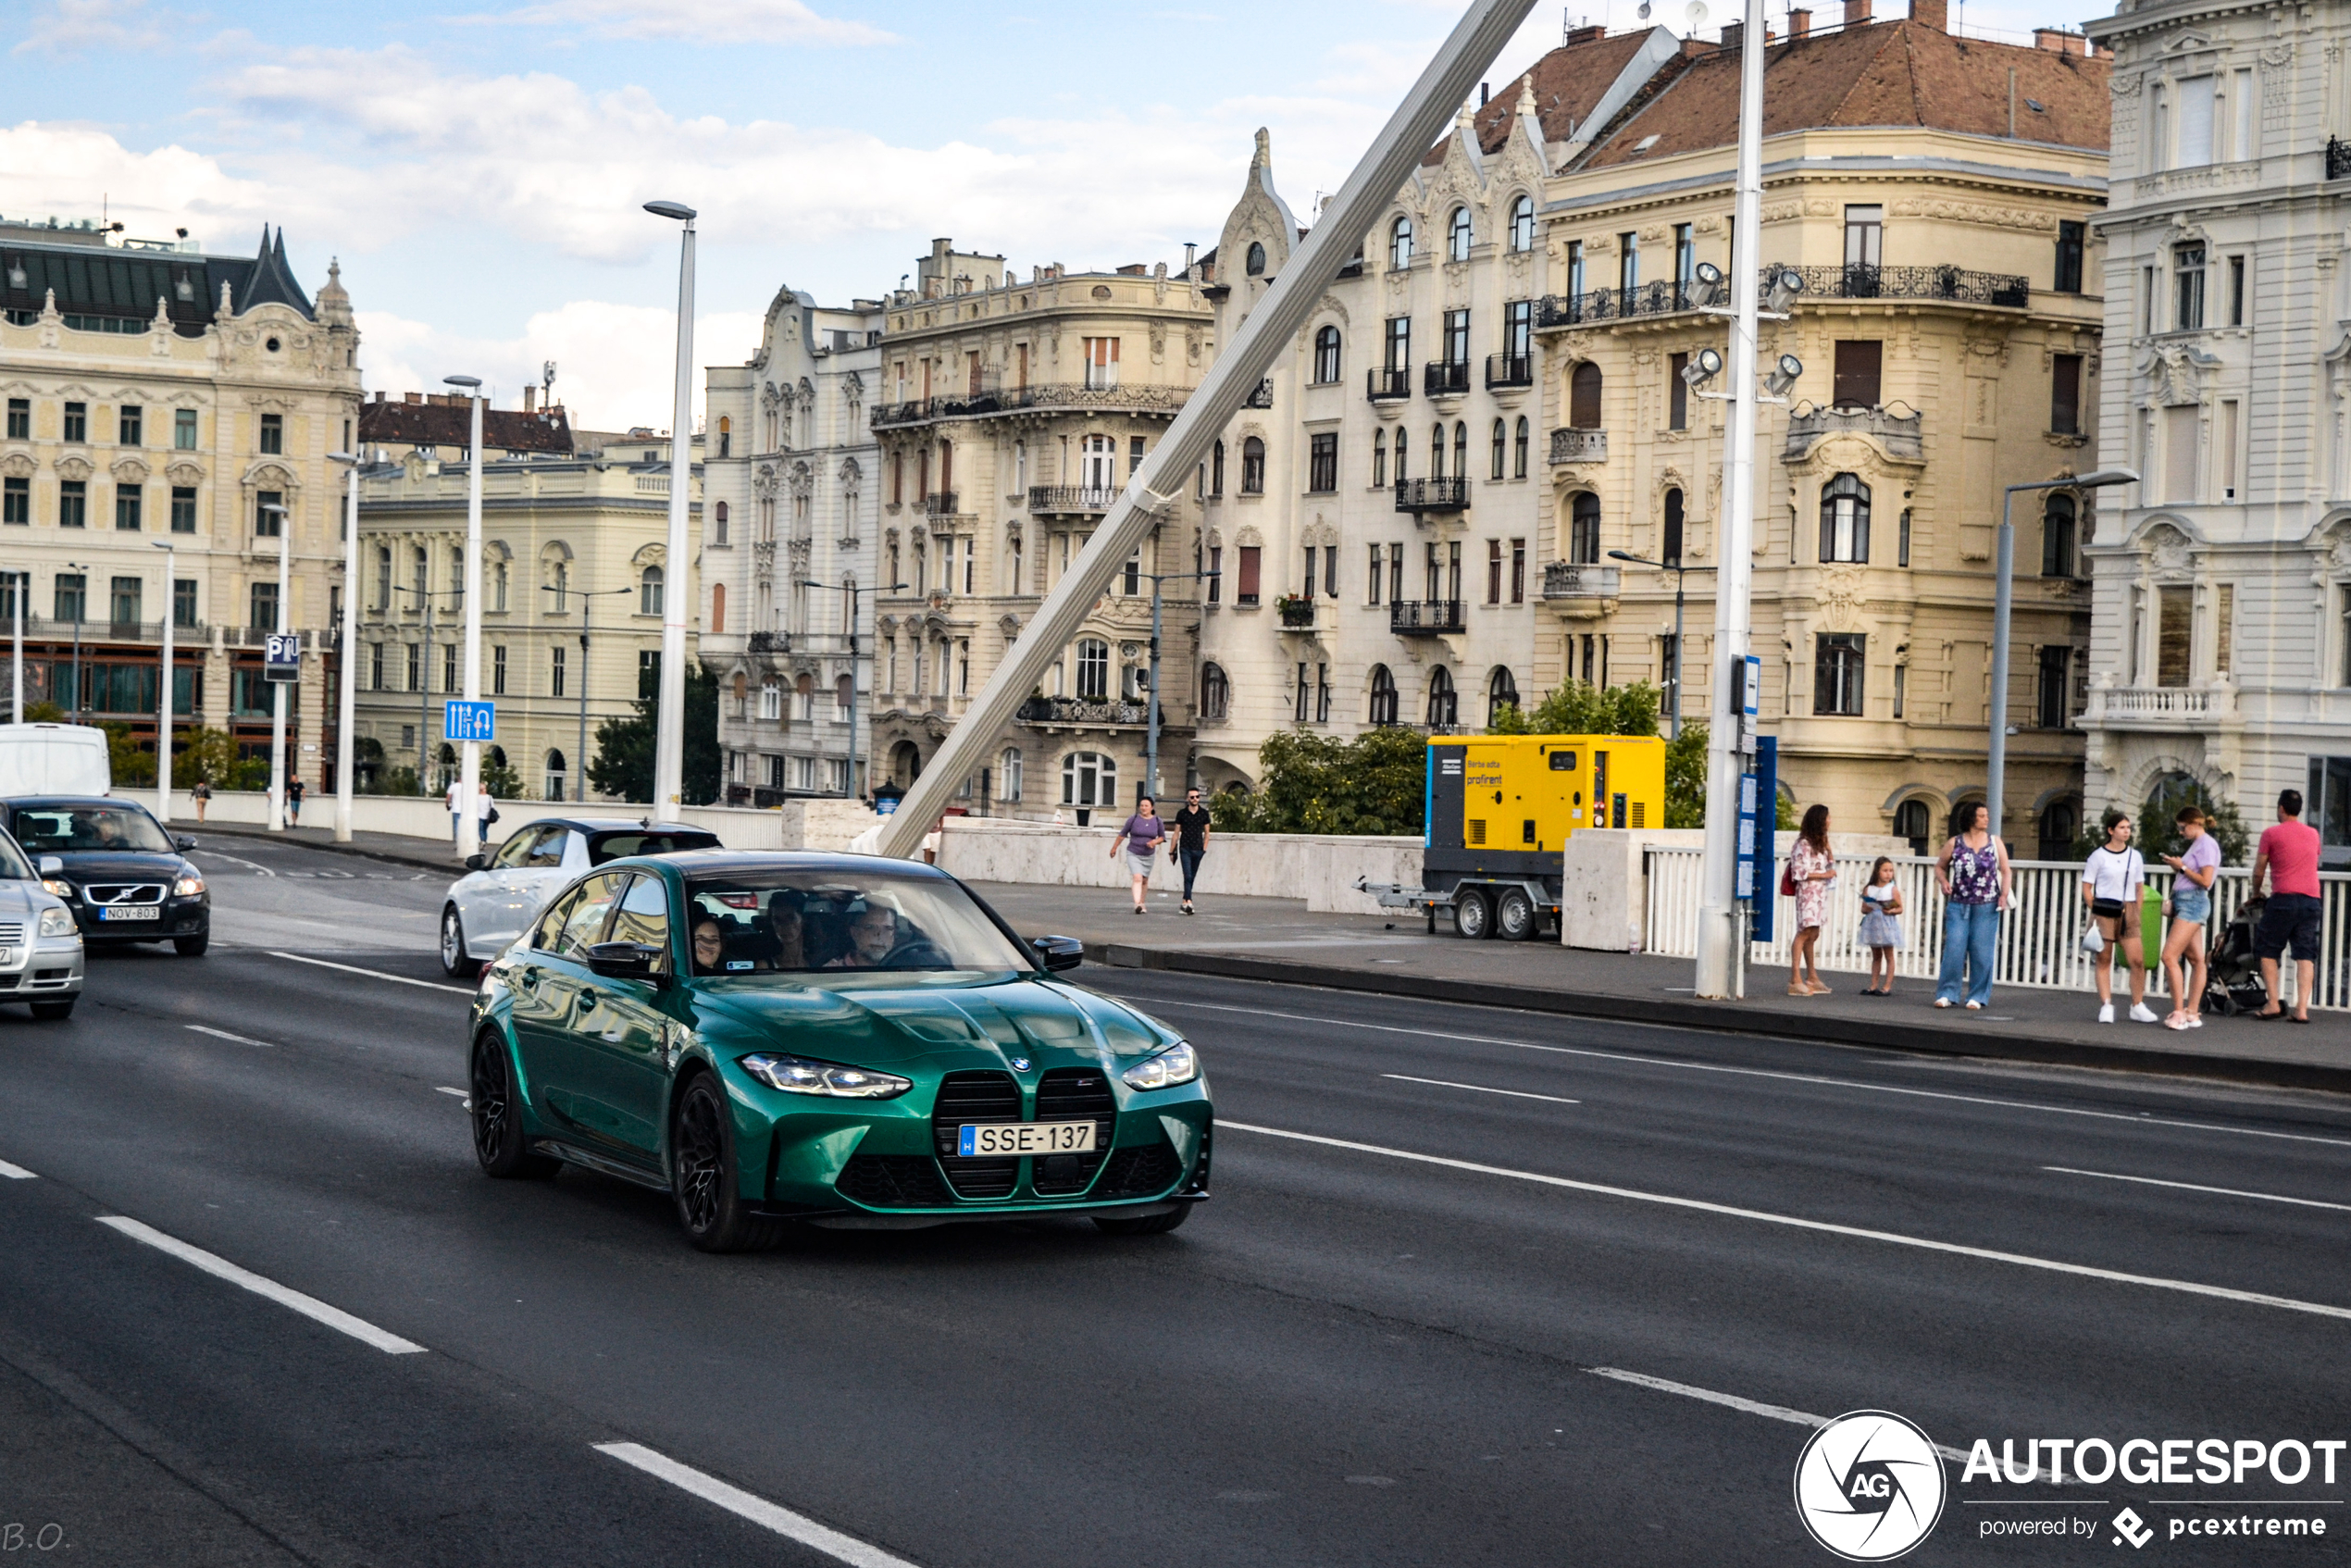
(1474, 915)
(1514, 917)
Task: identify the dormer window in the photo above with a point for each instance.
(1256, 259)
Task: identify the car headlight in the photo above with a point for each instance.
(57, 923)
(798, 1075)
(58, 886)
(187, 887)
(1179, 1064)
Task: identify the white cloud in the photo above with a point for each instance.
(153, 193)
(616, 363)
(745, 21)
(72, 26)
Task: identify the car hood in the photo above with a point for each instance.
(940, 1026)
(118, 865)
(21, 899)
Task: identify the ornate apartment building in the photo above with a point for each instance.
(158, 396)
(791, 491)
(1010, 415)
(2223, 580)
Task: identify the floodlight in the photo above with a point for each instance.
(1704, 365)
(1783, 374)
(1786, 283)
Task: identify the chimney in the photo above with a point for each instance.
(1586, 34)
(379, 394)
(1733, 35)
(1936, 14)
(414, 397)
(1191, 255)
(1857, 13)
(530, 396)
(1800, 21)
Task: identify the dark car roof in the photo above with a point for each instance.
(43, 803)
(690, 860)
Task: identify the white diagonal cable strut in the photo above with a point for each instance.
(1240, 366)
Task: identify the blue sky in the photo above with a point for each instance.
(478, 164)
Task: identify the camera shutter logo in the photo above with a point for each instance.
(1869, 1485)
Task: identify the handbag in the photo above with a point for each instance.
(491, 820)
(1787, 880)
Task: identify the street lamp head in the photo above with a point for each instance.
(678, 210)
(1709, 285)
(1704, 365)
(352, 457)
(468, 382)
(2104, 477)
(1628, 556)
(1784, 375)
(1786, 283)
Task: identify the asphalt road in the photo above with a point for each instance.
(1353, 1355)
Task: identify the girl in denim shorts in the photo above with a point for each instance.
(2198, 865)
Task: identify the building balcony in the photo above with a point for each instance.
(1506, 371)
(1263, 397)
(1388, 386)
(185, 634)
(1579, 590)
(1069, 500)
(770, 642)
(1432, 495)
(1426, 617)
(1446, 377)
(1554, 312)
(2338, 159)
(1091, 713)
(1902, 435)
(940, 503)
(2169, 708)
(1578, 446)
(1297, 614)
(1132, 398)
(1956, 284)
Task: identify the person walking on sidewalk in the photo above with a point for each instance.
(1880, 925)
(2113, 880)
(1811, 867)
(456, 801)
(1139, 840)
(294, 800)
(202, 795)
(1972, 871)
(1191, 841)
(2196, 867)
(2289, 856)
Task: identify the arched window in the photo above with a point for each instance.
(1089, 779)
(1326, 357)
(1457, 235)
(1914, 821)
(1379, 458)
(905, 762)
(742, 695)
(1436, 451)
(1400, 244)
(844, 699)
(1252, 467)
(1383, 695)
(1093, 669)
(1008, 772)
(1444, 705)
(497, 585)
(1584, 527)
(649, 592)
(2060, 825)
(2057, 537)
(1215, 691)
(1460, 450)
(1584, 397)
(718, 524)
(1256, 259)
(1216, 471)
(1523, 224)
(1673, 550)
(1520, 440)
(1502, 440)
(556, 775)
(1845, 519)
(771, 699)
(1501, 692)
(717, 606)
(803, 699)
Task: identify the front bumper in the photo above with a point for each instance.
(176, 917)
(48, 970)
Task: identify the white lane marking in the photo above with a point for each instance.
(285, 1295)
(1767, 1073)
(2085, 1270)
(1752, 1407)
(15, 1173)
(223, 1034)
(444, 1088)
(234, 860)
(374, 974)
(758, 1510)
(1481, 1089)
(2192, 1186)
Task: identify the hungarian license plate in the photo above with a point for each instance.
(131, 912)
(1025, 1137)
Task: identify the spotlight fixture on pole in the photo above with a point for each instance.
(1704, 365)
(1786, 283)
(1784, 376)
(1709, 292)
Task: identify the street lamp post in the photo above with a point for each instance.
(856, 598)
(81, 607)
(1997, 758)
(669, 733)
(19, 584)
(278, 688)
(587, 600)
(424, 682)
(1150, 739)
(469, 764)
(1674, 731)
(346, 696)
(163, 706)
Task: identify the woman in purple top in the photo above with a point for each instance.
(1139, 840)
(1973, 874)
(2197, 865)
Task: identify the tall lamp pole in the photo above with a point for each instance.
(669, 732)
(19, 584)
(81, 608)
(1150, 738)
(1997, 753)
(586, 601)
(163, 707)
(1673, 731)
(346, 695)
(469, 766)
(278, 688)
(856, 599)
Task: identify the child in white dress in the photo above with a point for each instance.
(1881, 926)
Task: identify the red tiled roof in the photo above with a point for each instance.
(451, 425)
(1569, 82)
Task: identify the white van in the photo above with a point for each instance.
(54, 759)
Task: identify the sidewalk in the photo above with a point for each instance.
(397, 847)
(1278, 939)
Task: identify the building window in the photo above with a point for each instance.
(1857, 366)
(183, 601)
(15, 501)
(1493, 571)
(1845, 519)
(1523, 224)
(1914, 821)
(1383, 709)
(1837, 673)
(273, 434)
(1327, 357)
(2056, 688)
(449, 668)
(1101, 364)
(1864, 239)
(129, 421)
(375, 667)
(1008, 771)
(718, 524)
(1089, 779)
(1678, 392)
(1501, 443)
(726, 436)
(1458, 236)
(1256, 260)
(1396, 573)
(2057, 553)
(2069, 243)
(21, 418)
(183, 429)
(1520, 441)
(2174, 635)
(1436, 451)
(183, 508)
(1252, 467)
(1400, 244)
(129, 502)
(263, 605)
(1379, 460)
(555, 670)
(1093, 669)
(71, 596)
(1321, 462)
(1902, 541)
(1444, 704)
(497, 670)
(1518, 336)
(1400, 345)
(412, 667)
(1628, 263)
(269, 512)
(650, 591)
(124, 606)
(1245, 590)
(1501, 692)
(1217, 470)
(73, 503)
(1574, 267)
(1461, 449)
(2236, 291)
(1215, 691)
(556, 776)
(2188, 287)
(1584, 397)
(2059, 825)
(77, 430)
(2065, 394)
(1457, 337)
(1672, 553)
(1584, 527)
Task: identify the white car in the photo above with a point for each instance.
(40, 942)
(495, 900)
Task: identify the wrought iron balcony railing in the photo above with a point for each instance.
(1581, 579)
(1142, 398)
(1070, 498)
(1954, 283)
(1425, 617)
(1509, 370)
(2338, 159)
(1432, 495)
(1383, 386)
(1082, 710)
(1263, 397)
(940, 503)
(1298, 614)
(1615, 305)
(1579, 446)
(1446, 377)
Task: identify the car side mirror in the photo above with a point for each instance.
(51, 866)
(475, 861)
(625, 961)
(1058, 954)
(184, 843)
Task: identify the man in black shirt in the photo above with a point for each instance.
(1191, 840)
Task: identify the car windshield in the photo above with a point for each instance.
(62, 829)
(13, 866)
(620, 846)
(787, 921)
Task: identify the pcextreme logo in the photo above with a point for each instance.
(1869, 1485)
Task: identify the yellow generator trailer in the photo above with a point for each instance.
(1500, 807)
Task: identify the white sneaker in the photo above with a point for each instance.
(2105, 1012)
(2142, 1013)
(2196, 1021)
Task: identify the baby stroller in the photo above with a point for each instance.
(2233, 977)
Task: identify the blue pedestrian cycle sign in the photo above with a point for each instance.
(469, 721)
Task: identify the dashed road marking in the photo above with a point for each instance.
(758, 1510)
(15, 1173)
(373, 974)
(359, 1328)
(240, 1040)
(1481, 1089)
(1733, 1401)
(2192, 1186)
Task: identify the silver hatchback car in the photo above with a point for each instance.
(39, 943)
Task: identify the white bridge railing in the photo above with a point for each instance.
(2039, 944)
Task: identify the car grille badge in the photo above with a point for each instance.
(1020, 1064)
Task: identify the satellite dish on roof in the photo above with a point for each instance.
(1644, 12)
(1694, 18)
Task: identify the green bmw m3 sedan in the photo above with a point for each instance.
(835, 1040)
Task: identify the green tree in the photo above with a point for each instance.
(1581, 708)
(2158, 835)
(130, 763)
(44, 712)
(505, 783)
(207, 755)
(624, 762)
(1685, 777)
(1310, 784)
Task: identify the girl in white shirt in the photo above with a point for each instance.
(2112, 883)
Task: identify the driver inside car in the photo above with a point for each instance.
(873, 937)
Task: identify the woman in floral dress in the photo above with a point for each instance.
(1811, 867)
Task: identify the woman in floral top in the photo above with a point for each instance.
(1811, 867)
(1973, 874)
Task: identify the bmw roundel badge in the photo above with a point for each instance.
(1020, 1064)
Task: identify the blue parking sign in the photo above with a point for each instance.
(281, 656)
(469, 721)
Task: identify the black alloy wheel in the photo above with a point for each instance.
(1148, 1224)
(456, 962)
(1514, 917)
(497, 1120)
(1473, 916)
(703, 1175)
